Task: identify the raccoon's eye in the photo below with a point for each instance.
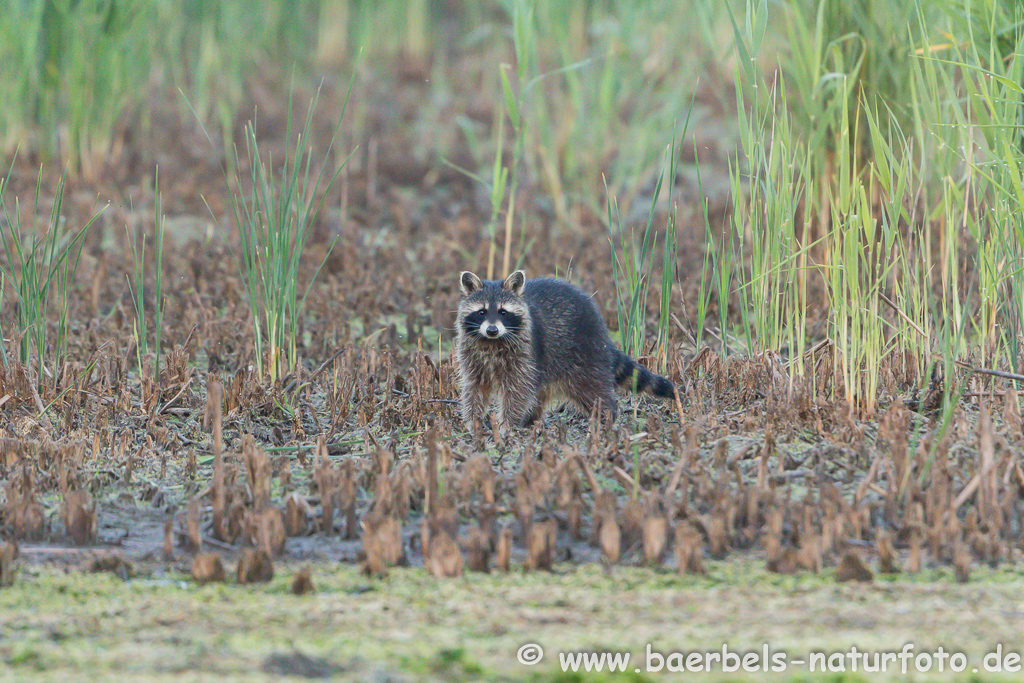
(502, 312)
(479, 313)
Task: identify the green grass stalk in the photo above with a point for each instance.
(38, 269)
(274, 219)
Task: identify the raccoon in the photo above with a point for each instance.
(528, 342)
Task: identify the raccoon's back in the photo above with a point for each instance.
(569, 331)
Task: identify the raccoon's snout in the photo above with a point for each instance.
(492, 331)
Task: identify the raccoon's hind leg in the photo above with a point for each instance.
(538, 408)
(586, 393)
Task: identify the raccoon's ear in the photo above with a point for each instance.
(469, 282)
(515, 282)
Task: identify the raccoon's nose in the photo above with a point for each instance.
(492, 331)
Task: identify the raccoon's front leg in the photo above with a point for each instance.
(512, 412)
(515, 404)
(473, 398)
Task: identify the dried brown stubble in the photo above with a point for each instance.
(382, 542)
(207, 568)
(113, 562)
(212, 419)
(298, 514)
(24, 516)
(442, 556)
(266, 529)
(302, 582)
(78, 512)
(258, 471)
(631, 522)
(886, 553)
(402, 370)
(8, 563)
(327, 480)
(503, 550)
(689, 549)
(254, 566)
(477, 547)
(961, 561)
(541, 544)
(610, 540)
(852, 568)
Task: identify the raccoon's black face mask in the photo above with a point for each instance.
(491, 321)
(492, 310)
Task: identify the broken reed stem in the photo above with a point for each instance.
(987, 470)
(175, 398)
(214, 392)
(595, 487)
(432, 487)
(627, 481)
(888, 302)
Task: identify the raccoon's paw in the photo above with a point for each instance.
(478, 428)
(533, 416)
(507, 431)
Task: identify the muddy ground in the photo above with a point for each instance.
(764, 488)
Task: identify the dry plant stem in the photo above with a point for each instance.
(997, 373)
(688, 332)
(43, 419)
(684, 457)
(181, 533)
(167, 406)
(868, 479)
(677, 473)
(896, 309)
(982, 371)
(627, 481)
(432, 485)
(988, 463)
(53, 551)
(323, 366)
(589, 473)
(191, 332)
(215, 392)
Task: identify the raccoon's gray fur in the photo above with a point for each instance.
(526, 342)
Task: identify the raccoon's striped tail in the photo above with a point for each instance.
(631, 375)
